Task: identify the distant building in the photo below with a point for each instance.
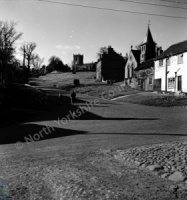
(110, 66)
(86, 67)
(78, 62)
(171, 69)
(139, 70)
(78, 59)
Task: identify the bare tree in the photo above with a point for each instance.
(8, 38)
(37, 61)
(28, 53)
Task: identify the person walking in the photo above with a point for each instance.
(73, 97)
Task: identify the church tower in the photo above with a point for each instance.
(147, 47)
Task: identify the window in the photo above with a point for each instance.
(139, 82)
(150, 81)
(143, 48)
(143, 56)
(171, 82)
(128, 68)
(180, 59)
(161, 62)
(167, 61)
(132, 70)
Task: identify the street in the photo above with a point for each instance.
(69, 156)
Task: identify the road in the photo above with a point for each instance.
(70, 158)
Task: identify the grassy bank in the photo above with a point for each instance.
(88, 84)
(154, 99)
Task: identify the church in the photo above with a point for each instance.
(139, 69)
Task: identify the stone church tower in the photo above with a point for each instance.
(148, 47)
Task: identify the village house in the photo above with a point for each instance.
(110, 66)
(145, 75)
(171, 69)
(139, 70)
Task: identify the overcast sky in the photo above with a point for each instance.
(64, 30)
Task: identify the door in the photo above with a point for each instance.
(142, 84)
(157, 85)
(179, 83)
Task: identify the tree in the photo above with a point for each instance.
(55, 63)
(53, 60)
(37, 61)
(16, 62)
(8, 38)
(28, 53)
(102, 50)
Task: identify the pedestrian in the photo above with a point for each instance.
(73, 96)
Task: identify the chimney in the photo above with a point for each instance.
(159, 51)
(110, 49)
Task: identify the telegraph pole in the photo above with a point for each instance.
(24, 56)
(24, 52)
(166, 78)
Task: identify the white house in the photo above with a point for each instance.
(171, 69)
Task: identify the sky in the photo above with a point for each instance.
(62, 30)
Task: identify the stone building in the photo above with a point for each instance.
(79, 64)
(139, 73)
(78, 59)
(110, 66)
(132, 63)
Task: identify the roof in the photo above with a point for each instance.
(145, 65)
(136, 54)
(174, 50)
(148, 38)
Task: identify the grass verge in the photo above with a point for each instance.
(153, 99)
